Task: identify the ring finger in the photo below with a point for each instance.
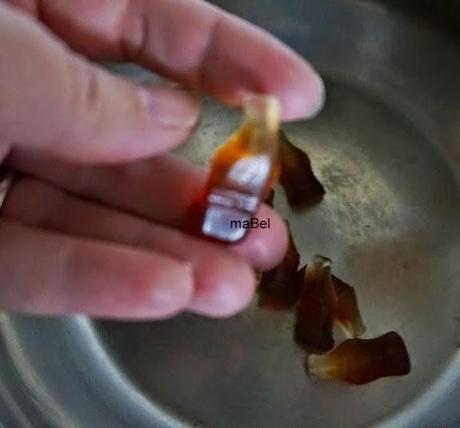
(158, 189)
(223, 282)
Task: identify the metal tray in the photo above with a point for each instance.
(387, 148)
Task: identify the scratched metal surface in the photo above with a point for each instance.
(387, 149)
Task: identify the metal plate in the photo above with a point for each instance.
(387, 149)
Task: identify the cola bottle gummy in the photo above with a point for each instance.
(243, 171)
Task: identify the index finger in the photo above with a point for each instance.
(192, 42)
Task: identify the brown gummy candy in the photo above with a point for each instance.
(242, 171)
(269, 198)
(347, 315)
(360, 361)
(279, 288)
(315, 308)
(302, 188)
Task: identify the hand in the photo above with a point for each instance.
(93, 224)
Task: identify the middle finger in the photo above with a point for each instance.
(224, 282)
(159, 189)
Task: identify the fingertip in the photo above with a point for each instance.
(144, 287)
(169, 290)
(265, 248)
(225, 287)
(304, 99)
(172, 108)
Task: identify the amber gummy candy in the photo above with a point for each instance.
(300, 184)
(360, 361)
(279, 288)
(269, 198)
(242, 172)
(315, 308)
(347, 315)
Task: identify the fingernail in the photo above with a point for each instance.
(172, 108)
(305, 99)
(321, 91)
(192, 90)
(172, 294)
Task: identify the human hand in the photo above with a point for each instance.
(93, 225)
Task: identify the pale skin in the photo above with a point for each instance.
(93, 223)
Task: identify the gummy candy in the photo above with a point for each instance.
(280, 287)
(302, 188)
(242, 172)
(315, 308)
(347, 314)
(360, 361)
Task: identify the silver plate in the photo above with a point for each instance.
(387, 148)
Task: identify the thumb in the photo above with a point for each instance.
(54, 100)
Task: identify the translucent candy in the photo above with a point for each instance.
(280, 287)
(315, 308)
(269, 198)
(242, 171)
(360, 361)
(347, 314)
(300, 184)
